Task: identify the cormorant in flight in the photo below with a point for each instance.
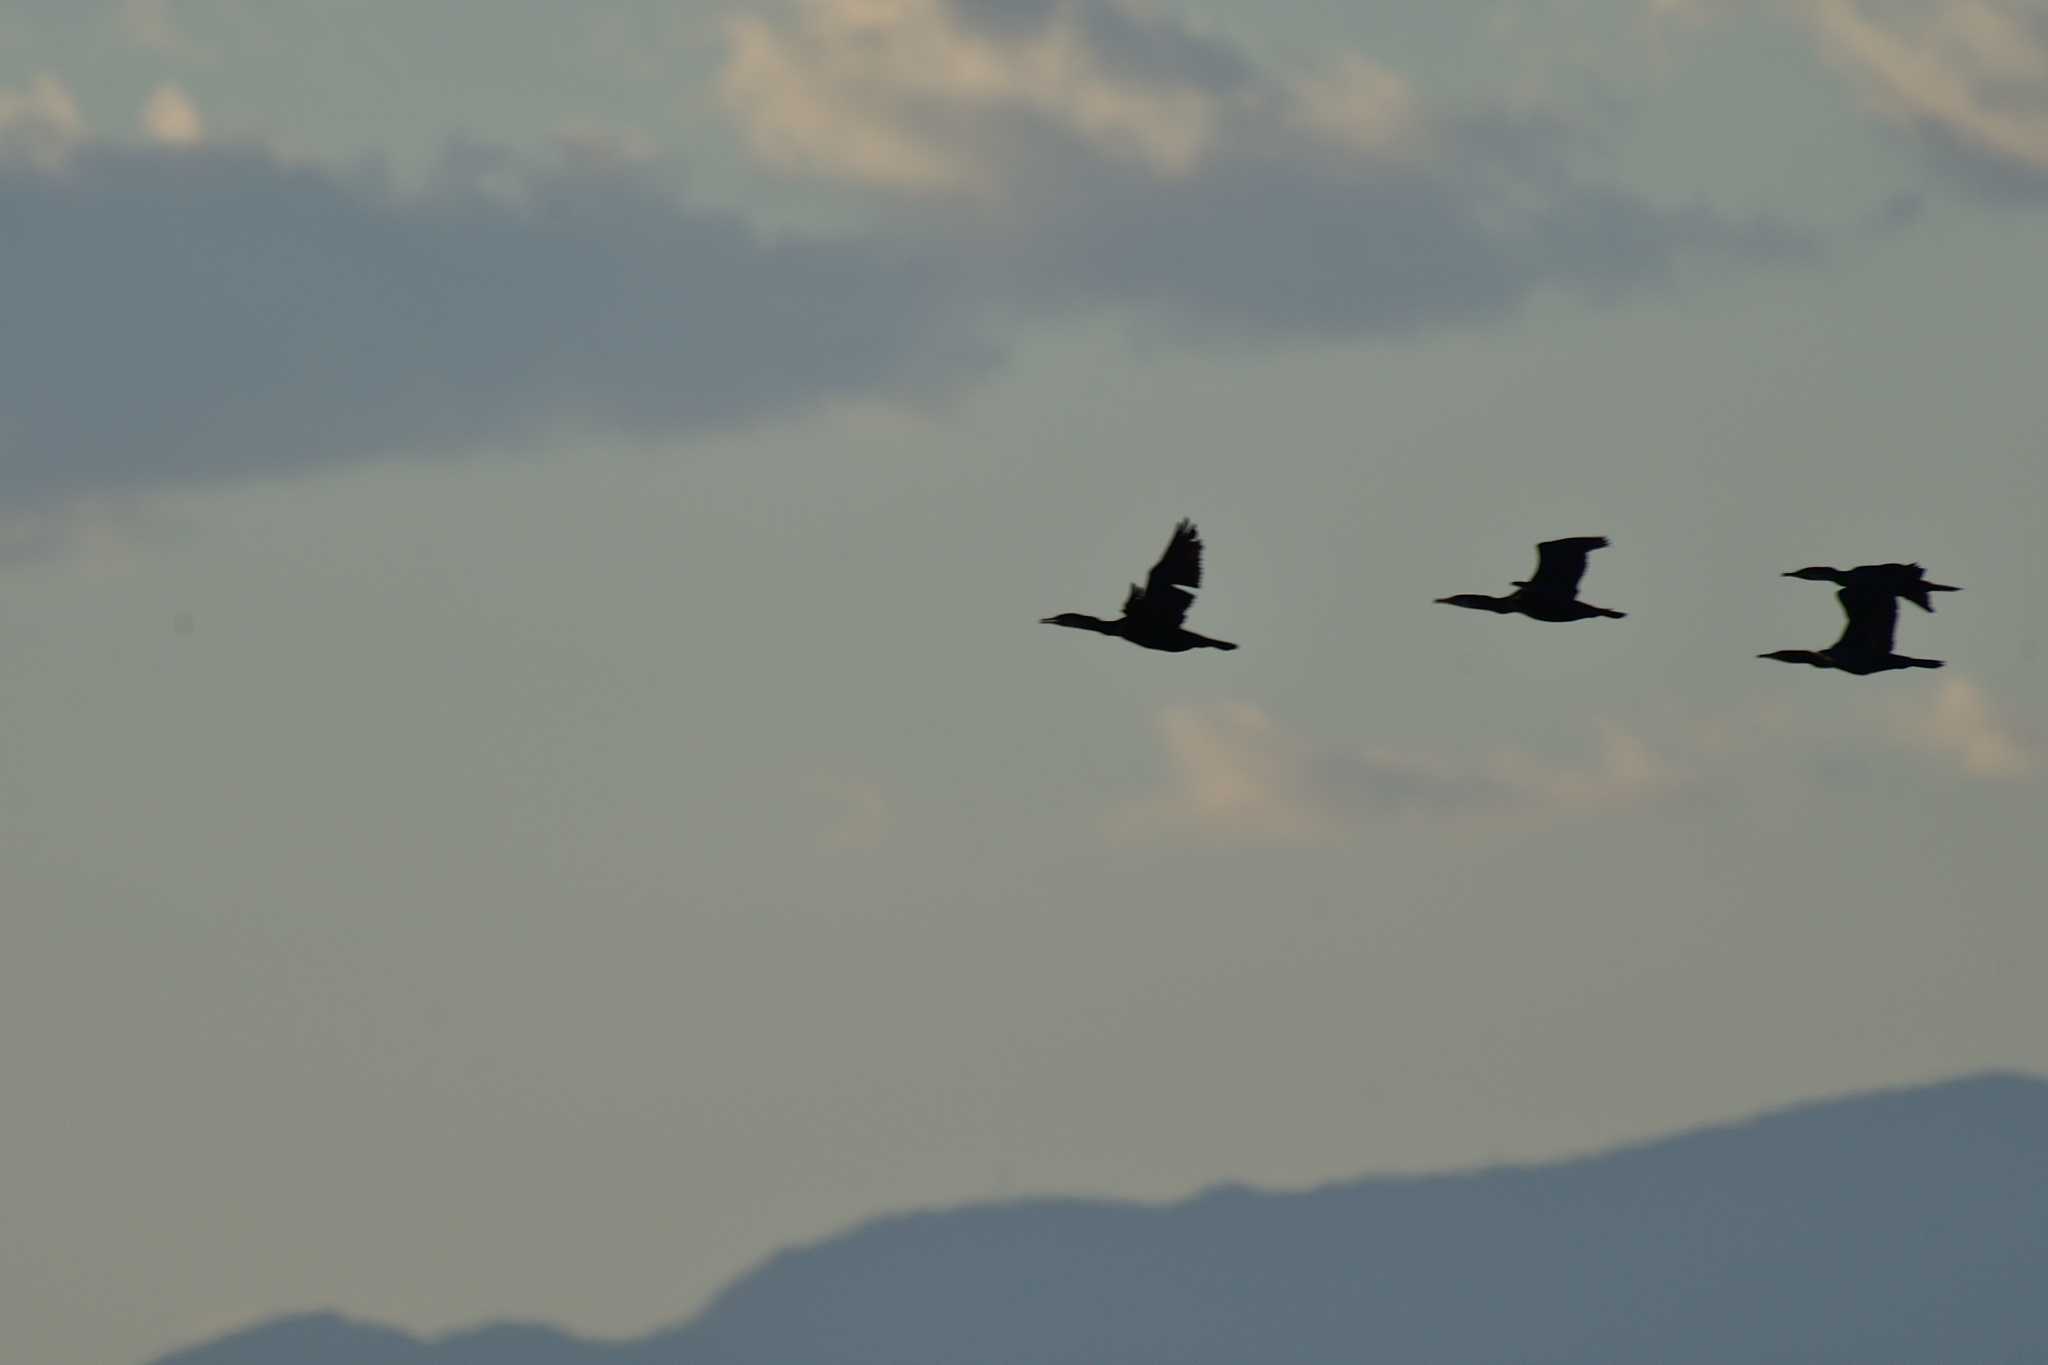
(1866, 643)
(1901, 580)
(1153, 614)
(1553, 594)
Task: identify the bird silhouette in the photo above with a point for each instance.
(1153, 614)
(1866, 643)
(1553, 594)
(1901, 580)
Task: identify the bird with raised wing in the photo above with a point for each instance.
(1901, 580)
(1553, 593)
(1866, 643)
(1153, 614)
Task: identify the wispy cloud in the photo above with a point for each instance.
(1034, 158)
(39, 124)
(170, 119)
(1098, 154)
(1961, 725)
(891, 90)
(1235, 775)
(1968, 77)
(152, 26)
(1971, 75)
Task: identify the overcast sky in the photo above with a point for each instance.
(530, 772)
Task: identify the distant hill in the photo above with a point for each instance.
(1902, 1228)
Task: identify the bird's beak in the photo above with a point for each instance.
(1047, 621)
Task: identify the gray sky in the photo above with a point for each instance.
(531, 776)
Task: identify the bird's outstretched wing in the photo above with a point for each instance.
(1873, 617)
(1906, 580)
(1560, 564)
(1164, 597)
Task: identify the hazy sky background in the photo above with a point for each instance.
(531, 776)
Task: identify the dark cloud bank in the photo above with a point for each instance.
(185, 315)
(182, 315)
(1267, 245)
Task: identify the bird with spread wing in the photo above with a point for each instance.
(1901, 580)
(1553, 593)
(1872, 606)
(1153, 614)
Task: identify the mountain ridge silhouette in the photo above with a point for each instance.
(1901, 1225)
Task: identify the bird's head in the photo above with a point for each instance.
(1819, 573)
(1073, 618)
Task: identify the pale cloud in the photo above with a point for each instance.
(151, 25)
(170, 119)
(862, 817)
(792, 119)
(1096, 154)
(40, 123)
(1037, 160)
(1624, 768)
(1960, 725)
(1971, 73)
(899, 92)
(1359, 104)
(1953, 725)
(1238, 776)
(1970, 76)
(1235, 775)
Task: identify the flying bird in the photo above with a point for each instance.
(1866, 643)
(1153, 614)
(1553, 594)
(1901, 580)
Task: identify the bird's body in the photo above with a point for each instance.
(1900, 580)
(1866, 643)
(1553, 593)
(1153, 613)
